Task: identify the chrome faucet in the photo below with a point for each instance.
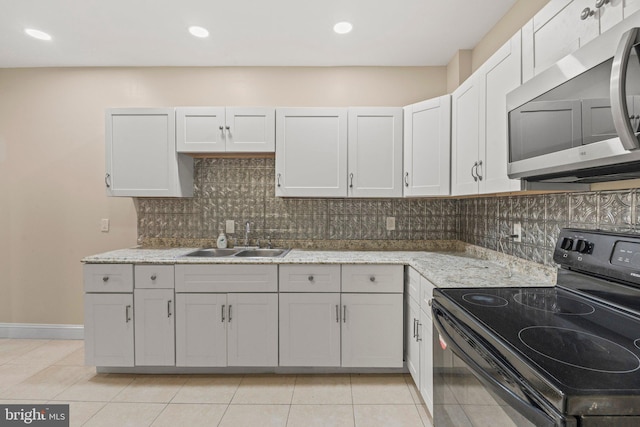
(247, 229)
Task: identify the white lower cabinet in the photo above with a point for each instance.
(310, 329)
(361, 329)
(108, 314)
(216, 326)
(372, 330)
(154, 327)
(108, 329)
(227, 329)
(419, 335)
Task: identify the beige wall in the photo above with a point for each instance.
(52, 157)
(458, 69)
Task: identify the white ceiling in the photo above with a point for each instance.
(242, 32)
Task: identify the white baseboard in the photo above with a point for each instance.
(45, 331)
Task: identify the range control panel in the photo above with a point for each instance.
(606, 254)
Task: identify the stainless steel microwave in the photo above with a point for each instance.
(579, 120)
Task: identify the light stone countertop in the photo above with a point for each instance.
(476, 267)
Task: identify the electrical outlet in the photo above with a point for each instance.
(391, 223)
(230, 226)
(517, 232)
(104, 225)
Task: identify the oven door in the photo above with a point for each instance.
(473, 385)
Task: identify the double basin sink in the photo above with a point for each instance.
(240, 253)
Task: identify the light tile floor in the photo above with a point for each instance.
(53, 371)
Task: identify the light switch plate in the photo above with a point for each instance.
(230, 226)
(104, 225)
(391, 223)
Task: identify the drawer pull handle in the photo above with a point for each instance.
(153, 277)
(105, 279)
(169, 308)
(127, 316)
(414, 328)
(223, 305)
(418, 338)
(372, 278)
(229, 312)
(344, 314)
(337, 314)
(310, 278)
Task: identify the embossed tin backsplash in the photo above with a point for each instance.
(243, 190)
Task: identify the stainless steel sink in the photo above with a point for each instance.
(239, 252)
(262, 253)
(214, 253)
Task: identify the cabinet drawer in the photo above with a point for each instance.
(108, 277)
(153, 276)
(413, 283)
(372, 278)
(426, 294)
(309, 278)
(226, 278)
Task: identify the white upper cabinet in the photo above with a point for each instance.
(311, 152)
(427, 147)
(141, 158)
(219, 129)
(375, 152)
(479, 144)
(563, 26)
(498, 76)
(465, 136)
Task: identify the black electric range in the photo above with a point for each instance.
(562, 355)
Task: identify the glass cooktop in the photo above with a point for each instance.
(581, 345)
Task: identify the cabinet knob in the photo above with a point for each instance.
(586, 12)
(351, 180)
(153, 277)
(227, 128)
(105, 279)
(406, 179)
(429, 303)
(279, 175)
(310, 278)
(220, 127)
(372, 278)
(600, 3)
(107, 180)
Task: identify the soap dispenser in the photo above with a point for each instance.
(222, 241)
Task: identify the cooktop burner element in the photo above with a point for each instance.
(485, 299)
(553, 303)
(569, 346)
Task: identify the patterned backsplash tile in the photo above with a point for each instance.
(244, 190)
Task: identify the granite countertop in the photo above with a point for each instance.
(444, 269)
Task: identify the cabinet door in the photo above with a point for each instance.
(108, 329)
(311, 152)
(154, 327)
(555, 32)
(427, 147)
(200, 129)
(465, 135)
(310, 329)
(615, 11)
(630, 7)
(375, 152)
(425, 338)
(252, 329)
(250, 130)
(411, 340)
(372, 327)
(201, 330)
(141, 158)
(499, 76)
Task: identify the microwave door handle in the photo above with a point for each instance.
(618, 88)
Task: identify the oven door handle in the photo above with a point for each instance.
(527, 408)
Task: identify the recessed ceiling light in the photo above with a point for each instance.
(343, 27)
(37, 34)
(199, 32)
